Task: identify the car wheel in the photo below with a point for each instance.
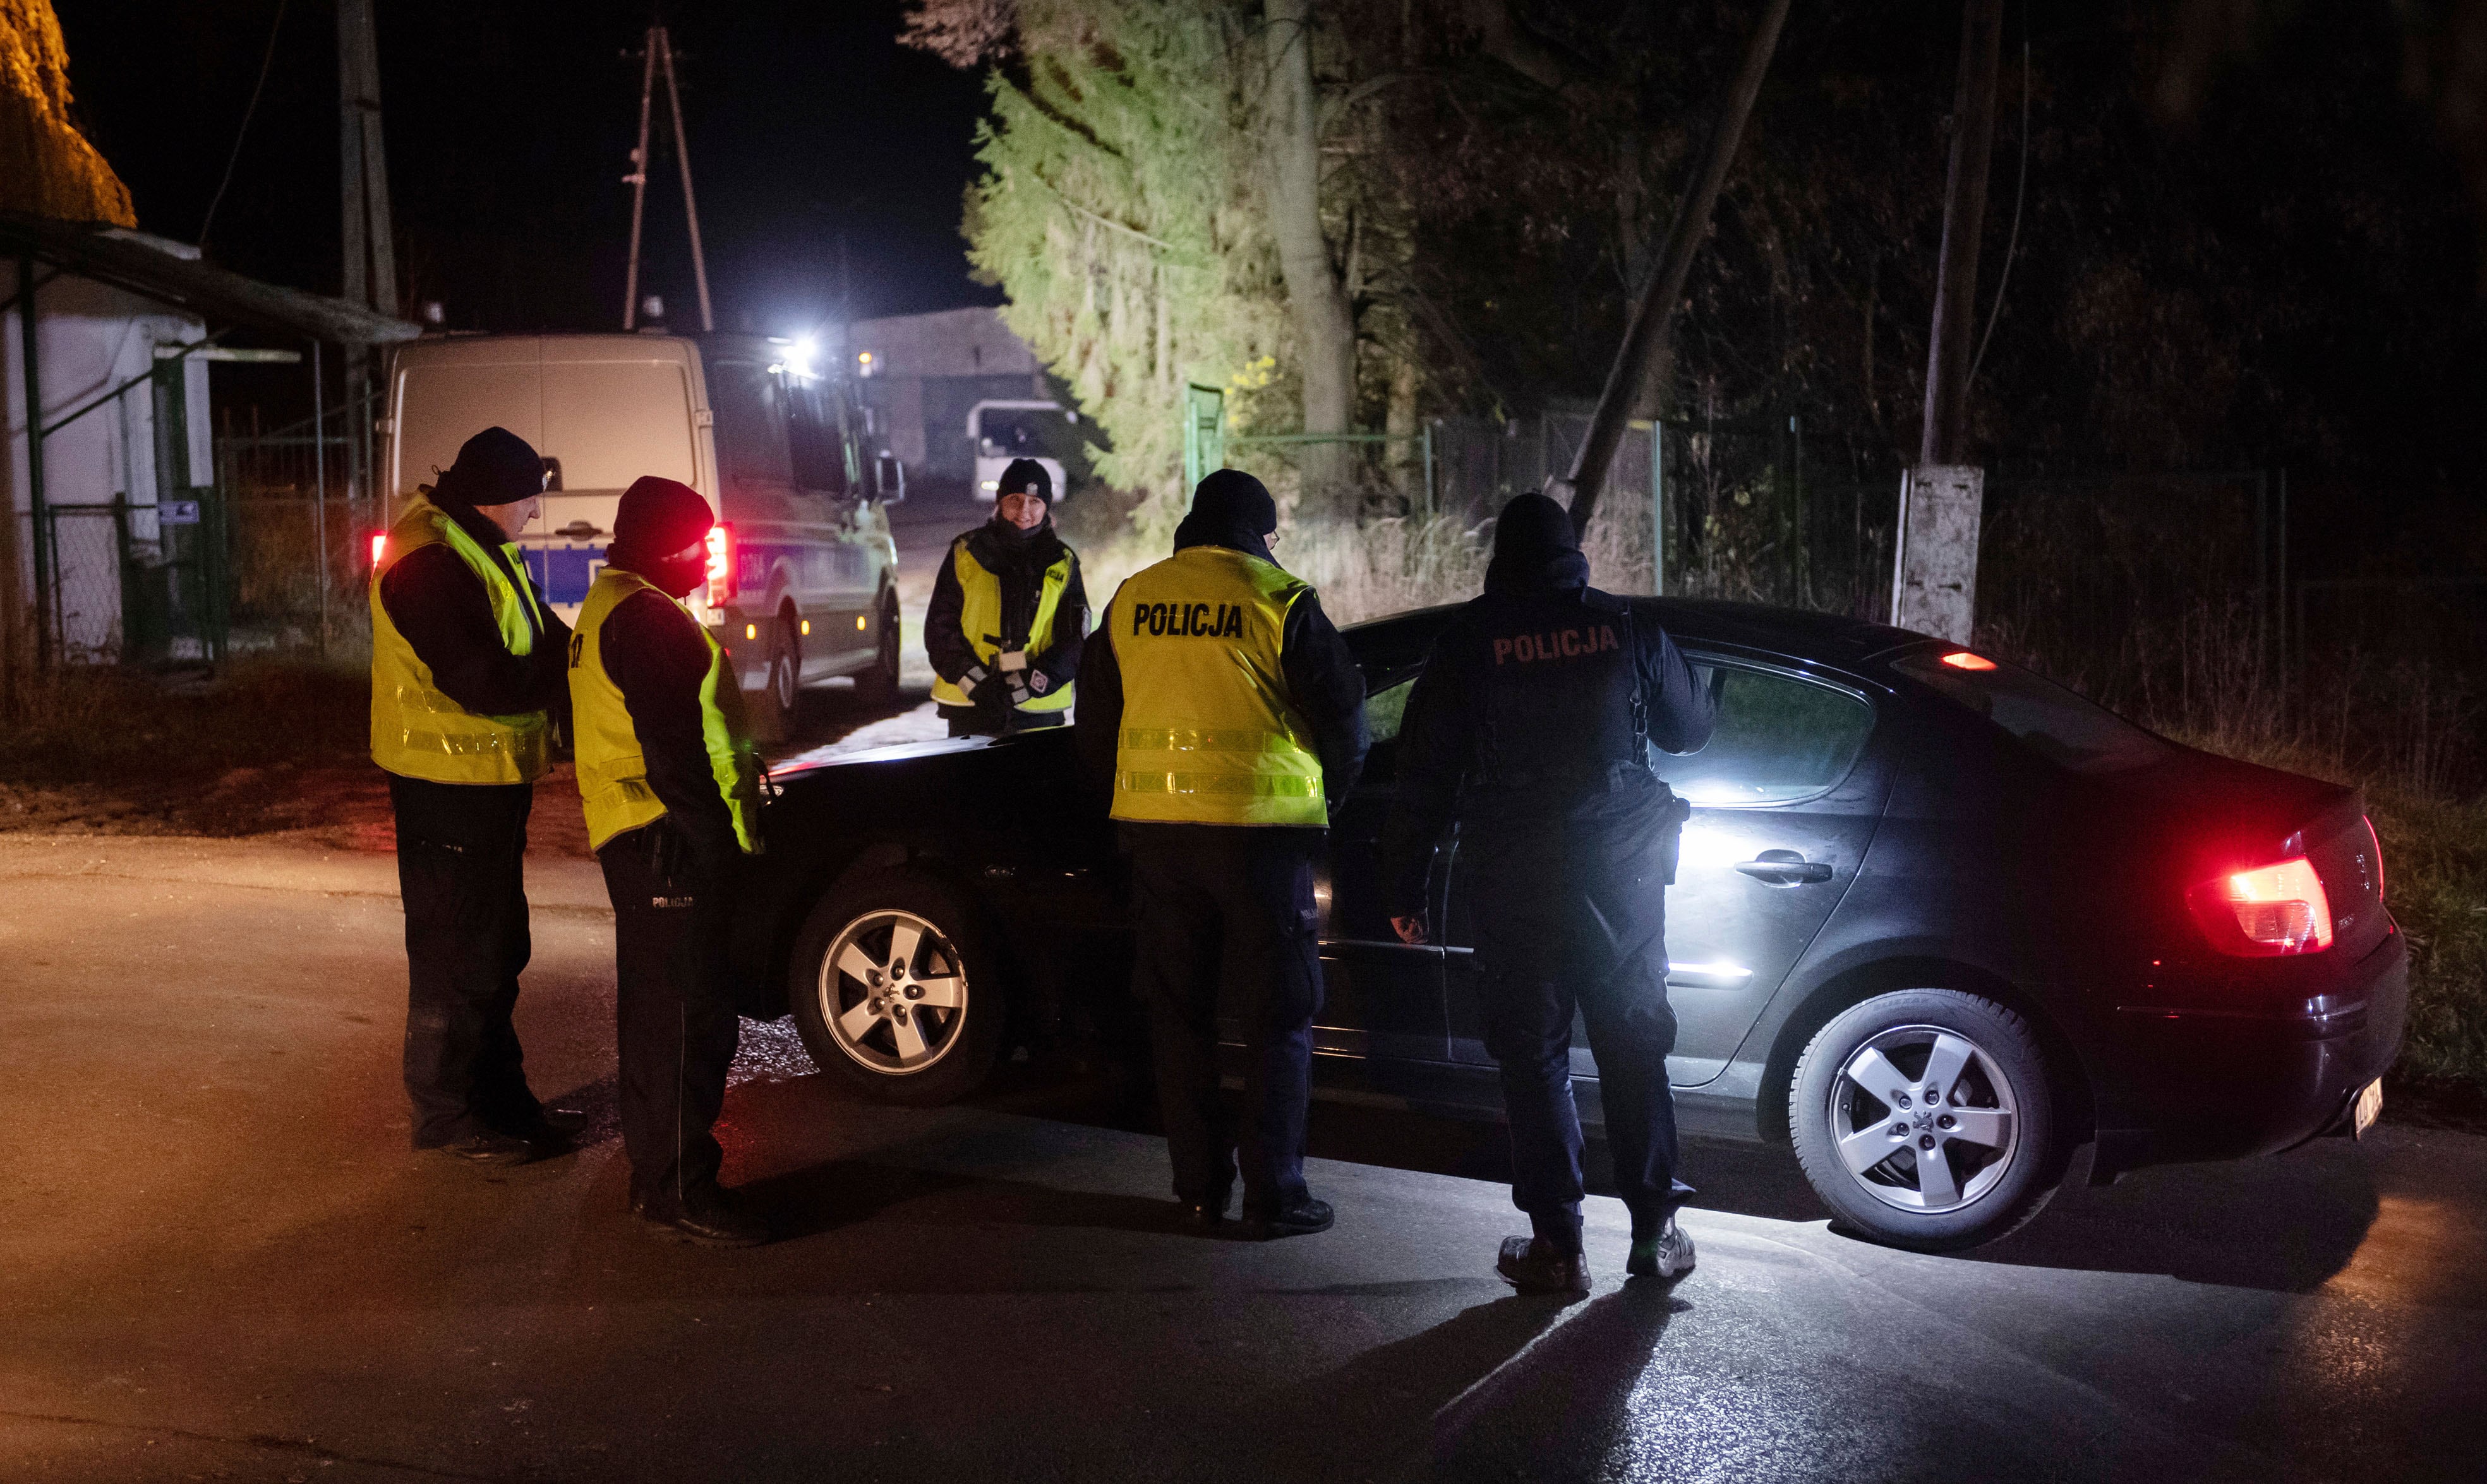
(772, 718)
(876, 687)
(1924, 1118)
(896, 991)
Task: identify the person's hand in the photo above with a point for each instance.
(1410, 930)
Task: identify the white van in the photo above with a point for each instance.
(803, 572)
(1005, 431)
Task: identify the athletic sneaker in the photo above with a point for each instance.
(1667, 1255)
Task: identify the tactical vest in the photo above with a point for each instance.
(1209, 735)
(416, 730)
(612, 766)
(1563, 706)
(980, 616)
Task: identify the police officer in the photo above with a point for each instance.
(1007, 616)
(1530, 728)
(671, 786)
(466, 677)
(1229, 715)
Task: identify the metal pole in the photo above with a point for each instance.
(638, 180)
(683, 156)
(41, 549)
(1657, 507)
(320, 490)
(12, 612)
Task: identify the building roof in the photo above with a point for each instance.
(129, 261)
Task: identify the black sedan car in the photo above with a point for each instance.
(1938, 921)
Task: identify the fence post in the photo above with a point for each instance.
(1657, 507)
(42, 538)
(320, 491)
(1430, 502)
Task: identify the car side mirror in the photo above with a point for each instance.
(889, 478)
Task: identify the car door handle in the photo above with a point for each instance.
(1784, 868)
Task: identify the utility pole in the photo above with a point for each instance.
(1663, 289)
(371, 245)
(659, 52)
(1933, 579)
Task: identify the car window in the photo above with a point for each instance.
(2067, 729)
(1777, 738)
(1386, 708)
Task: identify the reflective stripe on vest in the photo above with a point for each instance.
(1209, 735)
(612, 766)
(416, 730)
(980, 616)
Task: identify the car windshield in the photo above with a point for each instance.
(2065, 728)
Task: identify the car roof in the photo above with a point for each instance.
(1401, 639)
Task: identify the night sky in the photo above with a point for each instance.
(824, 154)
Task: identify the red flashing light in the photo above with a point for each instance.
(2265, 912)
(379, 548)
(720, 565)
(1962, 659)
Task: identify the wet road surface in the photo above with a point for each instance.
(217, 1259)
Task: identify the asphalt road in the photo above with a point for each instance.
(219, 1260)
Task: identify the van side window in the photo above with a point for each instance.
(816, 414)
(752, 445)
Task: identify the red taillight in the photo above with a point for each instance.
(2377, 843)
(2265, 912)
(1962, 659)
(720, 565)
(379, 548)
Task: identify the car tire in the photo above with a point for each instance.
(1862, 1120)
(877, 686)
(873, 963)
(772, 709)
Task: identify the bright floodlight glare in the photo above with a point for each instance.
(797, 357)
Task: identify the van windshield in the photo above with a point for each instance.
(2067, 729)
(1015, 433)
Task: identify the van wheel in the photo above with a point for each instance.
(896, 990)
(876, 687)
(1924, 1120)
(772, 718)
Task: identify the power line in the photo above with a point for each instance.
(264, 62)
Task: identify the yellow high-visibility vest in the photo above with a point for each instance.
(1209, 733)
(416, 730)
(979, 615)
(612, 766)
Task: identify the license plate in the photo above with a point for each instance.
(2369, 1108)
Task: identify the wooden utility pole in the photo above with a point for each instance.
(1664, 287)
(371, 246)
(659, 53)
(1934, 574)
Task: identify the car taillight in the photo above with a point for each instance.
(2265, 912)
(720, 565)
(379, 548)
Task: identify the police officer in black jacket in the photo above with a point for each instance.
(1530, 729)
(467, 697)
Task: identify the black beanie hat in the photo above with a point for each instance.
(1233, 499)
(658, 517)
(1533, 528)
(494, 467)
(1026, 477)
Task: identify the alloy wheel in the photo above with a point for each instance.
(1924, 1118)
(893, 993)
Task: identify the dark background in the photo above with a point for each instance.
(828, 161)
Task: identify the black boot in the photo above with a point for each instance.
(706, 1216)
(489, 1150)
(1298, 1218)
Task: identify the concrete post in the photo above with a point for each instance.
(1934, 576)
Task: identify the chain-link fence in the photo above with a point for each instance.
(297, 534)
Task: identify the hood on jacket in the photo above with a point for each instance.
(1535, 549)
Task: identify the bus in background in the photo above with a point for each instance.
(1005, 431)
(803, 570)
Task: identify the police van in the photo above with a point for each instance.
(802, 571)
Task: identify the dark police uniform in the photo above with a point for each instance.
(1228, 713)
(669, 780)
(466, 680)
(1529, 728)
